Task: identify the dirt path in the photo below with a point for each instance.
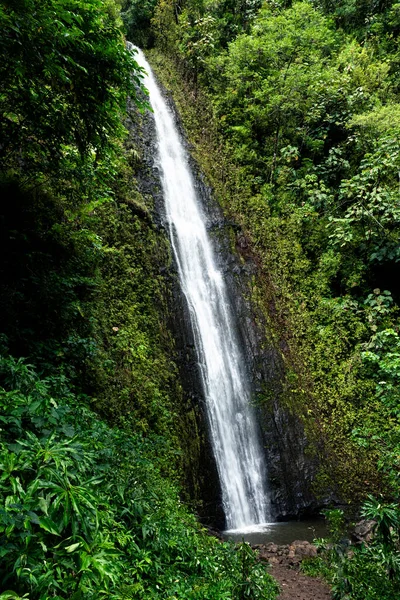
(296, 586)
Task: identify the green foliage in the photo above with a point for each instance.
(270, 78)
(361, 575)
(137, 15)
(366, 571)
(335, 523)
(196, 29)
(379, 426)
(361, 16)
(65, 76)
(197, 43)
(85, 512)
(371, 221)
(387, 520)
(250, 579)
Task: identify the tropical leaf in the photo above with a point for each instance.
(48, 525)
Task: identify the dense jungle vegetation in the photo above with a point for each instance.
(300, 103)
(90, 440)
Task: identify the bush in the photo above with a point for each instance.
(368, 571)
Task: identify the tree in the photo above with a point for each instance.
(137, 15)
(65, 74)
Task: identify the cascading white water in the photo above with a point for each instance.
(233, 429)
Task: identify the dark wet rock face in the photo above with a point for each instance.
(290, 470)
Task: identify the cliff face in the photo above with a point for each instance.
(290, 469)
(199, 469)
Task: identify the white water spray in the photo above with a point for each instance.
(233, 429)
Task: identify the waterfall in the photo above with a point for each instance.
(232, 422)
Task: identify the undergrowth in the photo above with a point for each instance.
(368, 570)
(86, 512)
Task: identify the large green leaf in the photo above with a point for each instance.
(48, 525)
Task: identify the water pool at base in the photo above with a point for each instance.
(278, 533)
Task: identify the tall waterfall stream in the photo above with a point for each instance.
(232, 422)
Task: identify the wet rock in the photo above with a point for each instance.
(363, 531)
(289, 555)
(304, 549)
